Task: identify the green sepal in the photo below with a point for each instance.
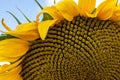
(39, 4)
(93, 11)
(117, 3)
(46, 16)
(14, 17)
(4, 36)
(54, 1)
(24, 15)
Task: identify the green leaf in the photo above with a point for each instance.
(14, 17)
(46, 17)
(24, 15)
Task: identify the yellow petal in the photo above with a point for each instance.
(8, 67)
(68, 9)
(44, 26)
(13, 47)
(86, 6)
(12, 74)
(28, 31)
(116, 14)
(15, 77)
(106, 9)
(8, 59)
(53, 12)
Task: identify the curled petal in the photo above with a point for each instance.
(53, 12)
(5, 26)
(28, 31)
(44, 26)
(13, 47)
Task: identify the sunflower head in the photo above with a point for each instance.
(72, 42)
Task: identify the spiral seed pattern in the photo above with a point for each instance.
(81, 49)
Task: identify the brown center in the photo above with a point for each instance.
(83, 49)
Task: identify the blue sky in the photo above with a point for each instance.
(29, 7)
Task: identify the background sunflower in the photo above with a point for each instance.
(71, 42)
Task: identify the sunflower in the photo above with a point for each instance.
(75, 42)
